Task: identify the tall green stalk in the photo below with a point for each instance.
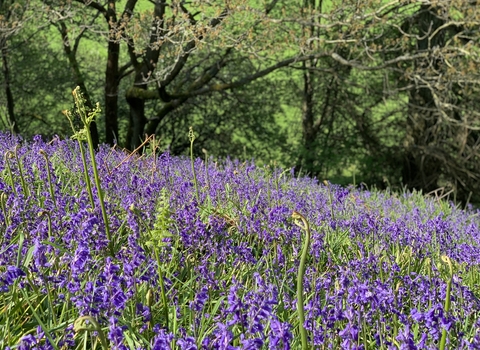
(191, 136)
(446, 260)
(85, 174)
(52, 192)
(22, 178)
(39, 320)
(206, 168)
(301, 222)
(330, 198)
(84, 134)
(163, 291)
(9, 155)
(99, 188)
(3, 201)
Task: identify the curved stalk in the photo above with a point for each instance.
(446, 260)
(301, 222)
(81, 324)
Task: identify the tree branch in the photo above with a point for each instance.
(122, 71)
(82, 32)
(126, 16)
(386, 64)
(182, 60)
(95, 5)
(250, 78)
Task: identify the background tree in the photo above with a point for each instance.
(239, 123)
(176, 37)
(386, 89)
(342, 118)
(173, 32)
(13, 15)
(426, 56)
(442, 137)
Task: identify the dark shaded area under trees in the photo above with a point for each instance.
(387, 90)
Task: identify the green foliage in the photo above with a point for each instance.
(163, 222)
(362, 110)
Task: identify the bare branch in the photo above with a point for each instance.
(95, 5)
(250, 78)
(386, 64)
(182, 60)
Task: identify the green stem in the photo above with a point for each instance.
(85, 174)
(162, 287)
(87, 118)
(24, 184)
(159, 266)
(395, 317)
(49, 221)
(50, 302)
(191, 136)
(330, 198)
(52, 192)
(443, 340)
(9, 155)
(206, 169)
(99, 189)
(3, 201)
(39, 321)
(303, 224)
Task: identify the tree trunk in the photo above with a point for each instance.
(111, 93)
(309, 133)
(8, 90)
(419, 169)
(112, 76)
(137, 119)
(310, 127)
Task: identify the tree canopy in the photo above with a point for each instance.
(385, 89)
